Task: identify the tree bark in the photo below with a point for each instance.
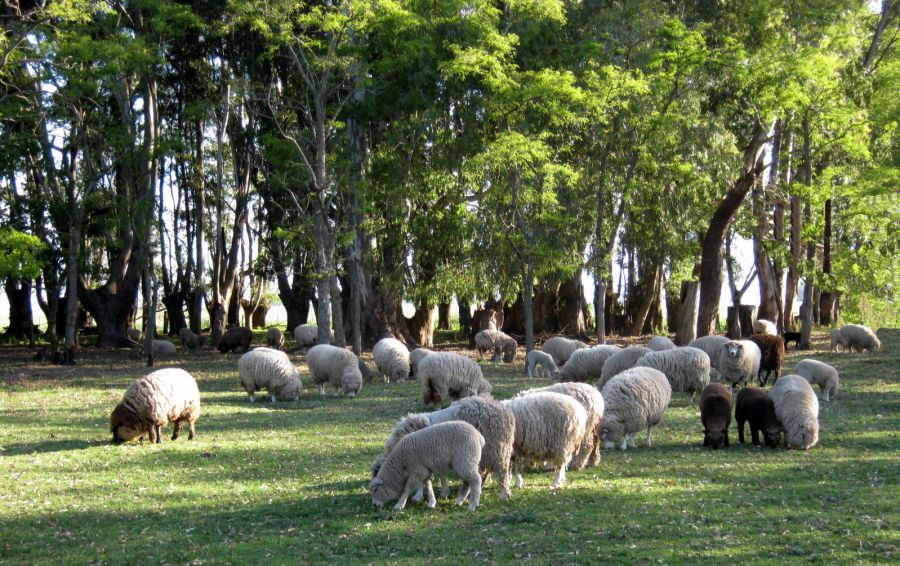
(600, 309)
(686, 317)
(465, 316)
(337, 310)
(829, 298)
(21, 316)
(713, 239)
(443, 316)
(528, 302)
(644, 294)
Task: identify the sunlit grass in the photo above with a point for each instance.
(287, 483)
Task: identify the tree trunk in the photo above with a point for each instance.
(829, 297)
(197, 294)
(779, 176)
(686, 316)
(571, 307)
(600, 309)
(337, 310)
(528, 302)
(765, 273)
(807, 308)
(740, 321)
(443, 316)
(21, 316)
(421, 325)
(642, 298)
(465, 316)
(713, 239)
(793, 276)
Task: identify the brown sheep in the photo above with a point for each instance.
(715, 414)
(235, 338)
(772, 350)
(754, 405)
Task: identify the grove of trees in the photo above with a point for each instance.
(359, 154)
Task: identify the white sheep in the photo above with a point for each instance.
(392, 359)
(660, 343)
(190, 340)
(538, 358)
(588, 454)
(153, 401)
(549, 428)
(859, 337)
(712, 345)
(447, 376)
(797, 409)
(620, 361)
(561, 348)
(498, 342)
(687, 369)
(275, 338)
(338, 366)
(434, 450)
(414, 358)
(272, 370)
(821, 374)
(307, 335)
(586, 364)
(834, 335)
(491, 418)
(635, 400)
(739, 362)
(763, 326)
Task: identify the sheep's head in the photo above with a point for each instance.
(351, 382)
(612, 432)
(124, 425)
(715, 437)
(381, 492)
(291, 391)
(734, 349)
(772, 436)
(804, 436)
(509, 353)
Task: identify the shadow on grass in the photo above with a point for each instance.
(49, 446)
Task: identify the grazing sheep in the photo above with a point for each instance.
(715, 414)
(586, 364)
(763, 326)
(859, 337)
(754, 405)
(307, 335)
(635, 400)
(153, 401)
(497, 341)
(235, 338)
(771, 348)
(134, 334)
(275, 338)
(414, 358)
(434, 450)
(712, 345)
(334, 365)
(687, 369)
(272, 370)
(834, 335)
(543, 359)
(446, 376)
(797, 409)
(561, 348)
(491, 418)
(620, 361)
(791, 337)
(588, 454)
(190, 340)
(821, 374)
(392, 359)
(549, 428)
(660, 343)
(739, 362)
(164, 348)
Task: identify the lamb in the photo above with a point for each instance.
(545, 360)
(444, 376)
(272, 370)
(712, 345)
(739, 362)
(620, 361)
(859, 337)
(275, 338)
(151, 402)
(586, 364)
(687, 369)
(164, 348)
(307, 335)
(763, 326)
(491, 418)
(834, 335)
(754, 405)
(561, 348)
(498, 342)
(235, 338)
(588, 454)
(392, 359)
(791, 337)
(437, 449)
(660, 343)
(797, 409)
(190, 340)
(414, 358)
(771, 348)
(715, 414)
(821, 374)
(635, 399)
(549, 428)
(334, 365)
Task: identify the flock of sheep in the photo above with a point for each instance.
(559, 427)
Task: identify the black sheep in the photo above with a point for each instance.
(235, 338)
(772, 350)
(791, 337)
(754, 405)
(715, 414)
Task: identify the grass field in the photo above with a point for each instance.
(288, 483)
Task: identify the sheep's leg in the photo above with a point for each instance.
(445, 487)
(321, 388)
(177, 430)
(560, 477)
(429, 490)
(464, 491)
(251, 395)
(726, 438)
(409, 487)
(624, 443)
(520, 483)
(419, 495)
(754, 433)
(503, 480)
(473, 488)
(191, 431)
(272, 395)
(649, 437)
(827, 396)
(159, 439)
(740, 425)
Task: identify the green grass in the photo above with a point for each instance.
(288, 483)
